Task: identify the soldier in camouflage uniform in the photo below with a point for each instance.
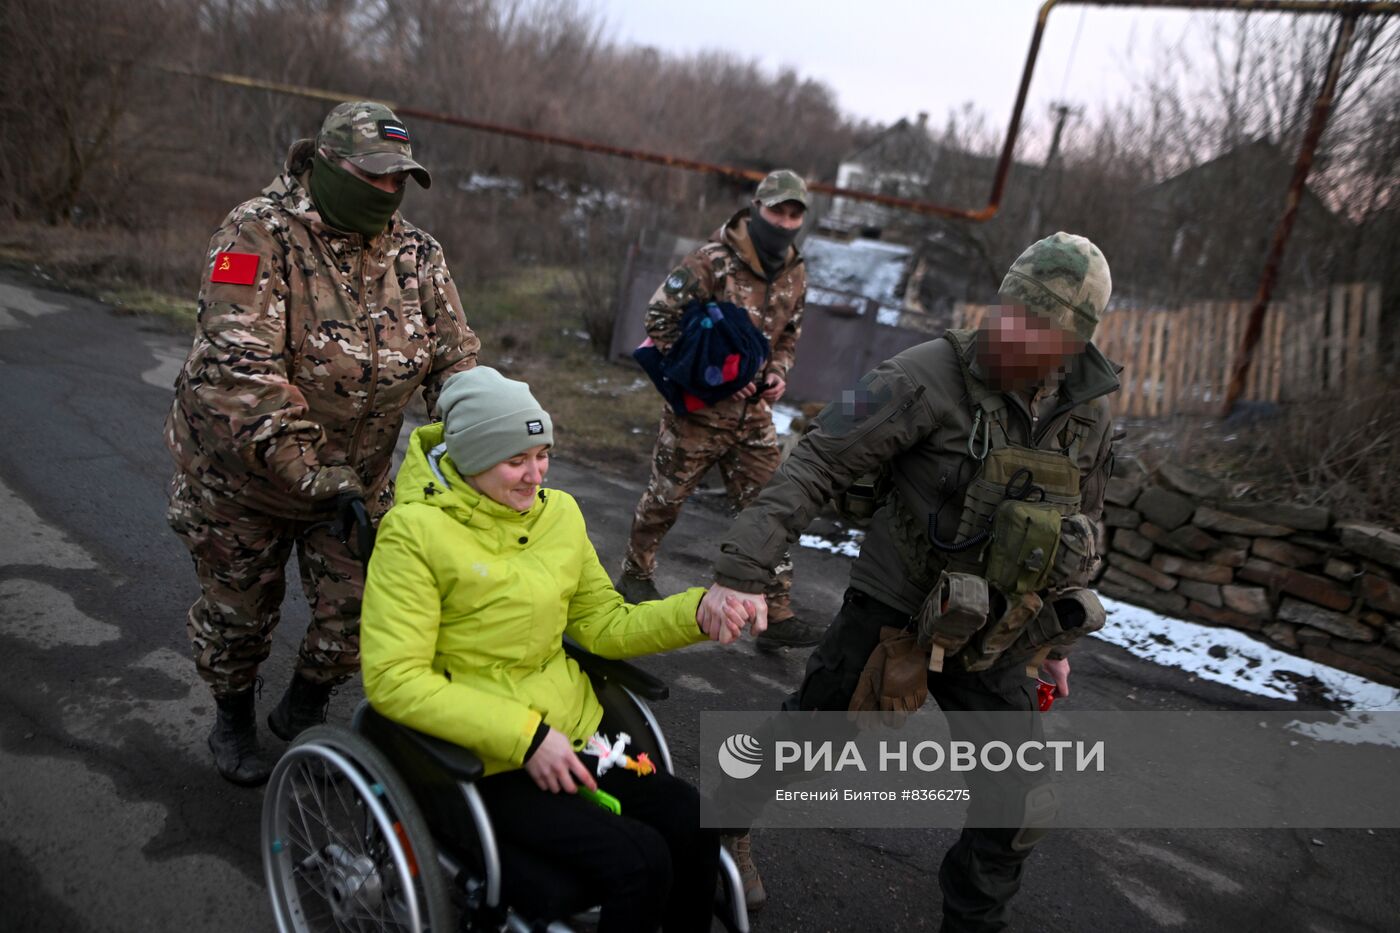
(752, 263)
(1029, 382)
(321, 314)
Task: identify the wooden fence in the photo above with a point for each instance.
(1322, 343)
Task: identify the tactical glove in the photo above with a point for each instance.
(352, 525)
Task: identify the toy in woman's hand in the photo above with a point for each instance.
(615, 753)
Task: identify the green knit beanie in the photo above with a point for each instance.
(488, 418)
(1063, 278)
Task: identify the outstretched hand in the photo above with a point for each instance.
(554, 766)
(724, 613)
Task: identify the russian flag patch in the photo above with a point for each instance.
(393, 130)
(235, 268)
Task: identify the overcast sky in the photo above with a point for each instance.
(891, 58)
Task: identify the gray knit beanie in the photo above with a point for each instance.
(488, 418)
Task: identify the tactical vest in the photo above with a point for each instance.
(1020, 512)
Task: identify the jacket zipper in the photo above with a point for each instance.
(373, 359)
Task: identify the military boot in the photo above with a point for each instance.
(739, 848)
(301, 707)
(636, 589)
(790, 633)
(234, 741)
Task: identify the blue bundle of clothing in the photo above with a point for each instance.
(718, 352)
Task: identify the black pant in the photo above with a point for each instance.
(652, 866)
(982, 871)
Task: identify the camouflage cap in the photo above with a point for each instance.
(370, 137)
(1063, 278)
(781, 185)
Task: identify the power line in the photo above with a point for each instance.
(1073, 48)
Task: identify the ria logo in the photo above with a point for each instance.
(740, 756)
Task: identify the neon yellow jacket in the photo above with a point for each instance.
(466, 604)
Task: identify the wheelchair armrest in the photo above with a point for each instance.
(646, 686)
(403, 744)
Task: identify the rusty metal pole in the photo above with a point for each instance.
(1322, 106)
(608, 149)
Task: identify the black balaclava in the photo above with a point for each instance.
(770, 241)
(349, 203)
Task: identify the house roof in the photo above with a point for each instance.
(907, 148)
(1260, 170)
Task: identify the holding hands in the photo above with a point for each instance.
(724, 613)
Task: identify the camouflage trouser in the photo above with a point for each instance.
(747, 453)
(240, 557)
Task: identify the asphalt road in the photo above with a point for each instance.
(112, 818)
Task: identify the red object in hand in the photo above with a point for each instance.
(1045, 692)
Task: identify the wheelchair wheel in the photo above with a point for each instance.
(344, 845)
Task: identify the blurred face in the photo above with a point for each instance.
(1019, 350)
(391, 183)
(787, 214)
(514, 482)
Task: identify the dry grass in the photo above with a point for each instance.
(137, 272)
(1343, 454)
(532, 327)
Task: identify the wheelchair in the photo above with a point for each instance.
(379, 827)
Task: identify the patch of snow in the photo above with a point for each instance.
(850, 547)
(1352, 729)
(1232, 658)
(821, 296)
(603, 385)
(887, 316)
(476, 182)
(782, 418)
(861, 267)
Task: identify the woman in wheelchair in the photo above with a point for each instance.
(477, 575)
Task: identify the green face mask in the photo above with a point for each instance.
(349, 203)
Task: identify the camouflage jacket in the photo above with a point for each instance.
(727, 269)
(310, 343)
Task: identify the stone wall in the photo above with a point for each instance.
(1175, 541)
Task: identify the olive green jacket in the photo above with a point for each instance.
(910, 412)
